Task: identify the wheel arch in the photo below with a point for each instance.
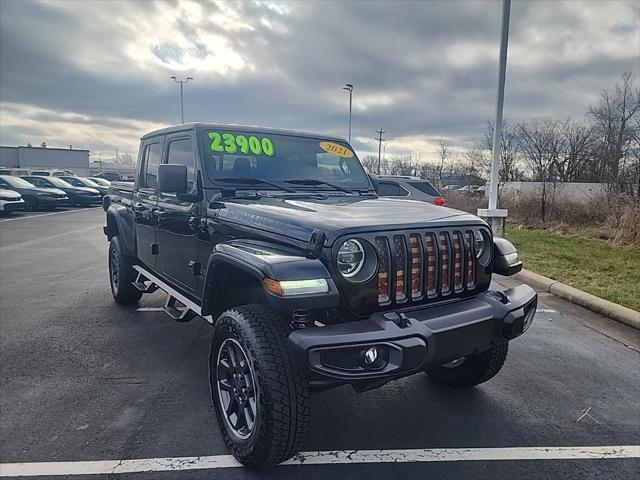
(119, 223)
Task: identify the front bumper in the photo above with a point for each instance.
(11, 205)
(51, 202)
(82, 200)
(410, 340)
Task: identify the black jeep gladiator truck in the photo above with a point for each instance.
(310, 280)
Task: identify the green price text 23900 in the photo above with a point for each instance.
(232, 143)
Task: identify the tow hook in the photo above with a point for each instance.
(300, 319)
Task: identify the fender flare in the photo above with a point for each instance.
(275, 264)
(120, 222)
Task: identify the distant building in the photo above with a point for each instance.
(38, 158)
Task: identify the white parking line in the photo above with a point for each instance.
(146, 465)
(149, 309)
(44, 215)
(546, 310)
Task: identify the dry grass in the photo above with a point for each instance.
(615, 219)
(595, 266)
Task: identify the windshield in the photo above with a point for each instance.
(100, 181)
(59, 182)
(281, 158)
(79, 182)
(16, 181)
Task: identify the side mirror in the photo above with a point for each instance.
(172, 178)
(374, 181)
(506, 261)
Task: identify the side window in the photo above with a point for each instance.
(3, 183)
(388, 189)
(181, 152)
(150, 162)
(38, 182)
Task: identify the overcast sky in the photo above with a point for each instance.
(96, 74)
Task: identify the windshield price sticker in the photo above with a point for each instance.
(336, 149)
(232, 143)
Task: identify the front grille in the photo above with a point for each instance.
(421, 266)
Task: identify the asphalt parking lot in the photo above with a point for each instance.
(83, 379)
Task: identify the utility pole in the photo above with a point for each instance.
(181, 82)
(379, 132)
(349, 87)
(495, 216)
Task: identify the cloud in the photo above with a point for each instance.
(96, 74)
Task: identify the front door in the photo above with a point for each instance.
(145, 202)
(179, 221)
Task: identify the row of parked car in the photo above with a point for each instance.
(474, 190)
(31, 192)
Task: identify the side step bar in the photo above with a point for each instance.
(144, 285)
(183, 312)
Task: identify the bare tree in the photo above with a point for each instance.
(125, 159)
(370, 163)
(615, 121)
(509, 152)
(575, 155)
(541, 144)
(444, 155)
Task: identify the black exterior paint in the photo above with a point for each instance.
(194, 246)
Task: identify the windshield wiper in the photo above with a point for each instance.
(313, 181)
(254, 181)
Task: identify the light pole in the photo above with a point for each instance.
(349, 88)
(494, 215)
(181, 82)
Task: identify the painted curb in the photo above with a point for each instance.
(599, 305)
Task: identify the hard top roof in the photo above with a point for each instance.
(198, 126)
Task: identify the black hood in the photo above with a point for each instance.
(337, 215)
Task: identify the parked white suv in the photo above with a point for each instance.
(10, 201)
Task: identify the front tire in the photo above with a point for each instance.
(471, 371)
(260, 399)
(121, 274)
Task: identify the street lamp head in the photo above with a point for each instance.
(189, 78)
(348, 87)
(173, 76)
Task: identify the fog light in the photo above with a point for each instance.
(374, 358)
(371, 355)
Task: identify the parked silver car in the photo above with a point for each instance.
(412, 188)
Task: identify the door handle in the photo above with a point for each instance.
(139, 207)
(159, 213)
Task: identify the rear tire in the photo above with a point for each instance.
(121, 274)
(473, 370)
(280, 402)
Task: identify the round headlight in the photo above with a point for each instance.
(350, 258)
(479, 243)
(483, 247)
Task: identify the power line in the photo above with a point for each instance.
(379, 132)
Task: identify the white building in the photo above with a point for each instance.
(38, 158)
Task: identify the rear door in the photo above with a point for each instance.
(179, 223)
(145, 201)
